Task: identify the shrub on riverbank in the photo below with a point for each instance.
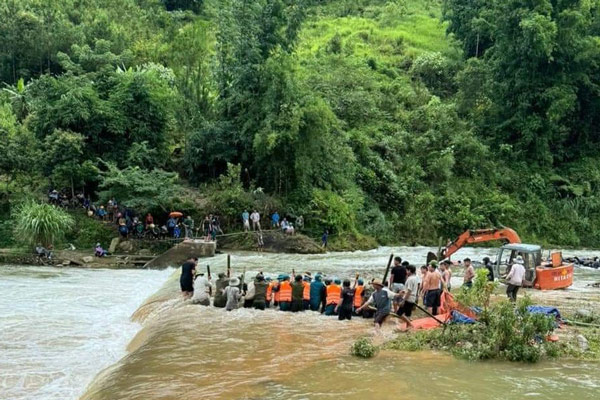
(364, 348)
(41, 223)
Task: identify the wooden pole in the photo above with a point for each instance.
(388, 268)
(228, 265)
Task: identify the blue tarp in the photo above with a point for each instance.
(459, 318)
(546, 310)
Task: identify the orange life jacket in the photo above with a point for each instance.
(270, 291)
(285, 291)
(277, 294)
(358, 296)
(334, 293)
(306, 293)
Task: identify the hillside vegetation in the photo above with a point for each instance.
(404, 120)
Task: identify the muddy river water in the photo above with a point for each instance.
(67, 334)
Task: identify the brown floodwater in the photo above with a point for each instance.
(185, 351)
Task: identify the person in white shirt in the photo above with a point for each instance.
(255, 218)
(515, 278)
(202, 290)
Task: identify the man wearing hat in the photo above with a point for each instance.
(381, 299)
(515, 278)
(233, 294)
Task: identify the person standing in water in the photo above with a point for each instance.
(260, 292)
(220, 285)
(344, 308)
(233, 294)
(334, 294)
(297, 294)
(411, 288)
(202, 290)
(306, 293)
(317, 294)
(186, 280)
(382, 300)
(285, 294)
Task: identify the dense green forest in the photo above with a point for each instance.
(403, 120)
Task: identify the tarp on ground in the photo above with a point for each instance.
(460, 318)
(546, 310)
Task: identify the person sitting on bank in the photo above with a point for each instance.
(43, 252)
(233, 294)
(99, 251)
(202, 290)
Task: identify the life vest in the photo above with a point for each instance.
(285, 291)
(276, 285)
(306, 293)
(358, 296)
(270, 291)
(334, 293)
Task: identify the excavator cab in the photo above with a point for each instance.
(532, 255)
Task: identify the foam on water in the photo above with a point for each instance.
(59, 327)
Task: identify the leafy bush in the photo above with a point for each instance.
(364, 348)
(41, 223)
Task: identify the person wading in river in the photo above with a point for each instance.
(317, 294)
(381, 299)
(186, 280)
(334, 294)
(202, 290)
(344, 308)
(220, 285)
(306, 293)
(285, 294)
(260, 292)
(233, 294)
(297, 294)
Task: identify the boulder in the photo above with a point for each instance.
(87, 259)
(583, 313)
(582, 342)
(113, 245)
(144, 252)
(126, 246)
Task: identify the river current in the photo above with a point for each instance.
(61, 327)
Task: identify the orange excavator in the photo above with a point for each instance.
(540, 274)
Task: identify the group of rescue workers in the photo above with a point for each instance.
(330, 296)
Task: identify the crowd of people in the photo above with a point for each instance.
(332, 296)
(252, 222)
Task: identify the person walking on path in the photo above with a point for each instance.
(255, 218)
(186, 280)
(233, 294)
(515, 278)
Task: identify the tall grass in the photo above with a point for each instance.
(41, 223)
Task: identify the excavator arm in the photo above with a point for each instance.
(507, 235)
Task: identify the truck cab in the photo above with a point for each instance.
(531, 253)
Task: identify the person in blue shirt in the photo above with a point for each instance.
(246, 220)
(317, 294)
(275, 219)
(324, 239)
